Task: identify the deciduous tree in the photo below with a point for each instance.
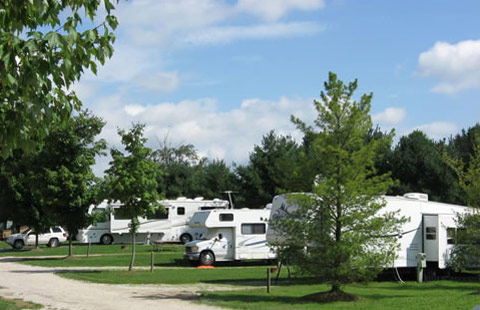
(45, 46)
(132, 180)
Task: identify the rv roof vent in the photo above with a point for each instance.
(198, 198)
(417, 196)
(182, 198)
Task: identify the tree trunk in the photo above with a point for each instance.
(335, 288)
(70, 246)
(132, 260)
(36, 240)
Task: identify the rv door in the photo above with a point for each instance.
(430, 237)
(223, 246)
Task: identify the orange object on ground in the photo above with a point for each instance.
(205, 267)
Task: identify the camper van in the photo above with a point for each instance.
(230, 235)
(431, 228)
(171, 226)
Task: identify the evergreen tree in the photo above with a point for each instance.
(337, 233)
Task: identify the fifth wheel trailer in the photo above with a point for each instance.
(230, 235)
(431, 228)
(160, 227)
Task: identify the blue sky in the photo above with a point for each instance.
(220, 74)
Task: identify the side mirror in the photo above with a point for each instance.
(220, 236)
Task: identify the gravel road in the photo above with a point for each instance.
(41, 285)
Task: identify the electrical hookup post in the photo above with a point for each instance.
(421, 264)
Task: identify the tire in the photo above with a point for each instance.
(207, 258)
(106, 239)
(18, 244)
(53, 243)
(186, 238)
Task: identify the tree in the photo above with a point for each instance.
(21, 192)
(337, 231)
(133, 180)
(270, 169)
(44, 48)
(64, 164)
(53, 185)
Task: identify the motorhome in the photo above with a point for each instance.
(431, 228)
(171, 226)
(230, 235)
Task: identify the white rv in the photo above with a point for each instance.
(238, 234)
(160, 227)
(431, 228)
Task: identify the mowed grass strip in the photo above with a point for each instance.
(81, 249)
(141, 259)
(376, 295)
(254, 275)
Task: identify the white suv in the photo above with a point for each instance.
(52, 238)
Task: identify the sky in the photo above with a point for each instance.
(220, 74)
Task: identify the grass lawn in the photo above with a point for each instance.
(163, 259)
(250, 275)
(376, 295)
(17, 304)
(81, 249)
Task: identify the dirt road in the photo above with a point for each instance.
(41, 285)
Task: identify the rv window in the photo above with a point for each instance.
(431, 233)
(181, 211)
(120, 214)
(100, 214)
(159, 215)
(253, 229)
(451, 235)
(226, 217)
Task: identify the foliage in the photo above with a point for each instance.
(417, 164)
(467, 252)
(44, 48)
(269, 170)
(53, 184)
(68, 182)
(188, 174)
(132, 179)
(337, 234)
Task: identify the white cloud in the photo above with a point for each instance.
(165, 82)
(272, 10)
(178, 23)
(391, 116)
(455, 66)
(226, 135)
(439, 130)
(262, 31)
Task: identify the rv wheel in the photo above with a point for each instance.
(185, 238)
(106, 239)
(207, 258)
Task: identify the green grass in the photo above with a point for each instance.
(81, 249)
(376, 295)
(141, 259)
(17, 304)
(251, 275)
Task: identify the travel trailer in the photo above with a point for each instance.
(230, 235)
(160, 227)
(431, 228)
